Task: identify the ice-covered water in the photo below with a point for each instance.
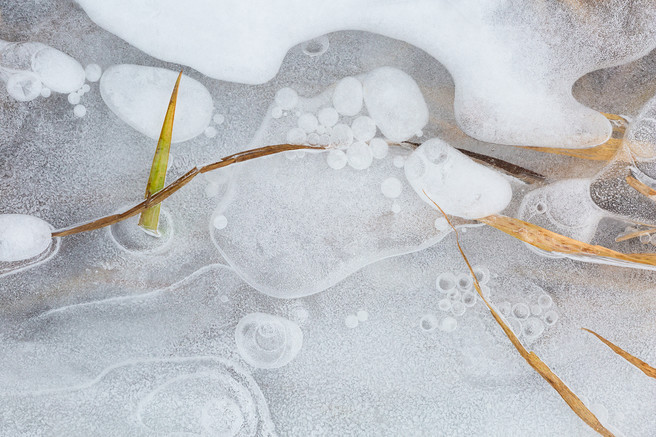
(321, 293)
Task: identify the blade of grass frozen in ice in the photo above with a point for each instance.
(637, 362)
(149, 220)
(572, 400)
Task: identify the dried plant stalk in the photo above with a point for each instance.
(640, 187)
(179, 183)
(149, 220)
(573, 401)
(553, 242)
(644, 367)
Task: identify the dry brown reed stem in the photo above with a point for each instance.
(521, 173)
(552, 242)
(162, 195)
(640, 187)
(644, 367)
(573, 401)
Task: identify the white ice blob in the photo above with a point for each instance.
(93, 72)
(328, 117)
(457, 184)
(364, 128)
(379, 148)
(286, 98)
(308, 122)
(395, 103)
(336, 159)
(74, 98)
(140, 96)
(266, 341)
(341, 135)
(80, 111)
(347, 97)
(24, 86)
(57, 70)
(391, 187)
(359, 155)
(22, 237)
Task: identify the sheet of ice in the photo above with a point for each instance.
(139, 96)
(23, 237)
(27, 67)
(513, 70)
(266, 341)
(395, 103)
(457, 184)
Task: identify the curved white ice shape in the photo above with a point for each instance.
(457, 184)
(513, 64)
(140, 95)
(23, 237)
(26, 66)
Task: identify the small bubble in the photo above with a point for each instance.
(469, 299)
(399, 161)
(644, 239)
(287, 98)
(458, 308)
(396, 208)
(80, 111)
(379, 148)
(296, 136)
(351, 321)
(328, 117)
(428, 322)
(532, 328)
(536, 310)
(316, 46)
(444, 304)
(445, 282)
(308, 122)
(74, 98)
(504, 308)
(46, 92)
(521, 311)
(210, 132)
(336, 159)
(448, 324)
(465, 282)
(545, 301)
(220, 222)
(363, 316)
(550, 317)
(93, 72)
(482, 274)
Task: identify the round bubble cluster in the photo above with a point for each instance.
(353, 320)
(457, 294)
(529, 320)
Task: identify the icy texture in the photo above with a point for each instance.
(514, 77)
(441, 174)
(133, 92)
(395, 103)
(266, 341)
(94, 339)
(22, 237)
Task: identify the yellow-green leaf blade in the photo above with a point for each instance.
(149, 219)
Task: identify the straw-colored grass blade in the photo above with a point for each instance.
(149, 220)
(553, 242)
(640, 187)
(602, 152)
(644, 367)
(573, 401)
